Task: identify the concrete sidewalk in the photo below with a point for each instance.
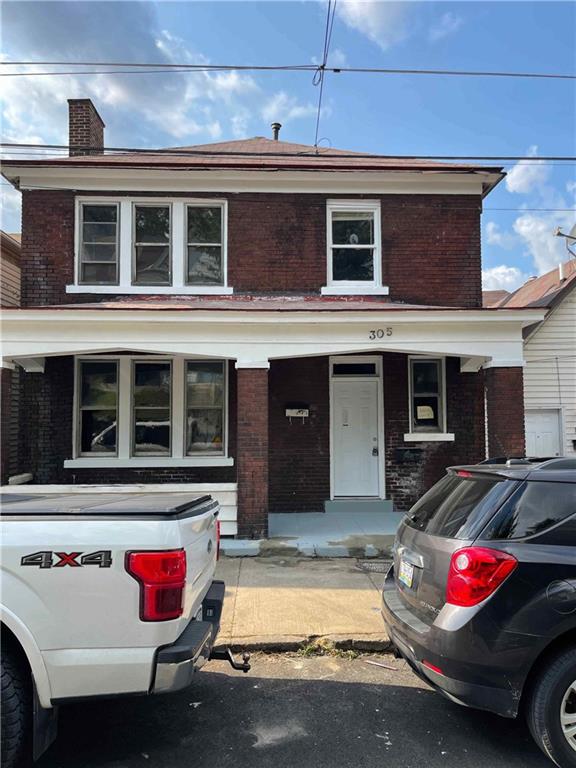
(277, 603)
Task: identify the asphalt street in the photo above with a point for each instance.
(318, 712)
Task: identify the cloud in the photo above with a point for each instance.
(283, 107)
(495, 236)
(385, 23)
(336, 58)
(447, 24)
(537, 234)
(502, 277)
(527, 175)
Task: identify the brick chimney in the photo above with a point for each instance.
(85, 128)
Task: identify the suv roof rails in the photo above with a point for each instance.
(559, 463)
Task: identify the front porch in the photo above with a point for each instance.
(342, 407)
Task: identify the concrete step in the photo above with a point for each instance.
(350, 506)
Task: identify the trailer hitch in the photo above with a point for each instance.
(227, 655)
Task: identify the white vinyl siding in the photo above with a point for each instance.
(550, 370)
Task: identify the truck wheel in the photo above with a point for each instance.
(551, 709)
(16, 714)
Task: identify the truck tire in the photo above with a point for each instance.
(16, 713)
(551, 709)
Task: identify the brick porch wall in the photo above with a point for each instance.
(505, 410)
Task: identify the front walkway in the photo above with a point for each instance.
(277, 603)
(322, 534)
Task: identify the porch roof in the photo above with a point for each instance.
(259, 303)
(254, 330)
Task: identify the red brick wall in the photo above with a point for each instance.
(299, 451)
(505, 409)
(85, 128)
(277, 243)
(252, 458)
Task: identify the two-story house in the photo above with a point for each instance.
(279, 325)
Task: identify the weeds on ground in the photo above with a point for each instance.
(324, 647)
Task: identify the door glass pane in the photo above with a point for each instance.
(99, 384)
(152, 223)
(204, 225)
(152, 384)
(151, 431)
(205, 384)
(98, 431)
(352, 228)
(152, 265)
(352, 264)
(425, 376)
(204, 430)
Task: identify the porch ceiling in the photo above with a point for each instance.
(254, 336)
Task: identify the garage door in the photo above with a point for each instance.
(543, 432)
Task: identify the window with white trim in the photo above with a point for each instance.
(427, 406)
(98, 244)
(150, 410)
(354, 246)
(130, 245)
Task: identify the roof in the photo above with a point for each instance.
(543, 291)
(10, 245)
(255, 153)
(251, 303)
(493, 298)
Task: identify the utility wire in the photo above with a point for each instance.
(133, 68)
(186, 151)
(320, 73)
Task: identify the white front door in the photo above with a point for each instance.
(355, 449)
(543, 433)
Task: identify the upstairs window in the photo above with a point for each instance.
(354, 244)
(152, 245)
(98, 244)
(204, 245)
(426, 395)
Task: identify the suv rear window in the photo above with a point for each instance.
(532, 508)
(456, 505)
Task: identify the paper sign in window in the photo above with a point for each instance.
(424, 412)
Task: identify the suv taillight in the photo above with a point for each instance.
(475, 573)
(162, 578)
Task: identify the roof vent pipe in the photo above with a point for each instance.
(561, 275)
(276, 130)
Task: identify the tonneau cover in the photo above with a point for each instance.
(110, 505)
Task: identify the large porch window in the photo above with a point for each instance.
(134, 411)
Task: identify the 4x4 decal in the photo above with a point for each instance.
(102, 558)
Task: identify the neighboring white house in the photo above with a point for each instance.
(550, 361)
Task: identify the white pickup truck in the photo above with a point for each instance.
(102, 595)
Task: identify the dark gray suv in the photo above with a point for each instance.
(481, 598)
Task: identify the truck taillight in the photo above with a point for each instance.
(475, 573)
(162, 578)
(217, 539)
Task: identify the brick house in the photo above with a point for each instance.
(279, 326)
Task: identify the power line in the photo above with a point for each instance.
(314, 152)
(318, 78)
(134, 67)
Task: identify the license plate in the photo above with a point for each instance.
(406, 573)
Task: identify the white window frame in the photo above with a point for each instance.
(79, 240)
(354, 287)
(223, 205)
(440, 435)
(124, 457)
(134, 244)
(178, 244)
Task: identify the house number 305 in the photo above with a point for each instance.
(379, 333)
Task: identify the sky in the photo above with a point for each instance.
(389, 114)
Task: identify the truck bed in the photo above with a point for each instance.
(110, 506)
